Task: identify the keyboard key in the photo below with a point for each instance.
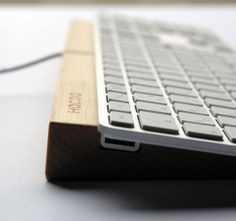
(220, 111)
(146, 90)
(228, 81)
(195, 118)
(114, 96)
(226, 121)
(208, 87)
(158, 108)
(112, 67)
(233, 94)
(172, 73)
(111, 72)
(178, 91)
(136, 81)
(168, 70)
(172, 77)
(113, 79)
(157, 122)
(145, 76)
(230, 88)
(121, 119)
(219, 103)
(199, 74)
(190, 109)
(118, 106)
(137, 69)
(183, 85)
(215, 95)
(185, 100)
(231, 133)
(202, 131)
(116, 88)
(204, 81)
(149, 98)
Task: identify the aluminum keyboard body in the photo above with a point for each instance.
(166, 85)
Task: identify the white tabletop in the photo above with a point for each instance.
(26, 98)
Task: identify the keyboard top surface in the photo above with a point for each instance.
(165, 84)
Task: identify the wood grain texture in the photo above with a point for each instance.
(80, 38)
(75, 99)
(74, 150)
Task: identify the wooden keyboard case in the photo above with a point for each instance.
(74, 150)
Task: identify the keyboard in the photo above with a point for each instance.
(164, 84)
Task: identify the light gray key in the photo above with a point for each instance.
(202, 131)
(226, 121)
(118, 106)
(219, 103)
(113, 63)
(185, 100)
(167, 83)
(167, 70)
(137, 66)
(200, 74)
(115, 73)
(121, 119)
(113, 79)
(173, 73)
(230, 88)
(190, 109)
(215, 95)
(157, 122)
(228, 82)
(166, 66)
(149, 98)
(233, 94)
(112, 67)
(208, 87)
(231, 133)
(204, 81)
(178, 91)
(195, 118)
(172, 77)
(114, 96)
(146, 90)
(136, 69)
(136, 81)
(116, 88)
(141, 75)
(158, 108)
(220, 111)
(161, 67)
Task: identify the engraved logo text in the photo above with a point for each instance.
(74, 104)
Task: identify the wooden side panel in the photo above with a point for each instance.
(80, 37)
(75, 99)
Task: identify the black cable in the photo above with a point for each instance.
(31, 63)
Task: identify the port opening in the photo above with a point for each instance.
(119, 142)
